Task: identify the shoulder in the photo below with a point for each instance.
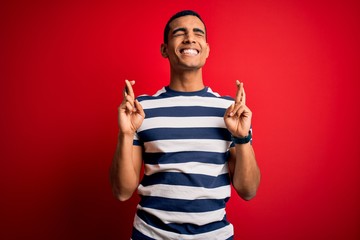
(211, 93)
(159, 94)
(217, 100)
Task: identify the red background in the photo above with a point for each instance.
(62, 66)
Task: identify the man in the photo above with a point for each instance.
(193, 142)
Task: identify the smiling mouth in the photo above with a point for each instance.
(189, 51)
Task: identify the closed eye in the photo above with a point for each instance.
(198, 32)
(179, 32)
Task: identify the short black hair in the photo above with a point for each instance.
(177, 15)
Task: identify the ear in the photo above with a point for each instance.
(163, 50)
(208, 50)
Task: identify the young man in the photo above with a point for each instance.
(193, 142)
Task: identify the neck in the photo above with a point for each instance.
(186, 81)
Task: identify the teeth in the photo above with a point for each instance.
(190, 51)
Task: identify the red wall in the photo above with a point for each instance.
(62, 67)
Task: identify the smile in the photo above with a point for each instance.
(189, 51)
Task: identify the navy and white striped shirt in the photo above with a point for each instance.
(186, 182)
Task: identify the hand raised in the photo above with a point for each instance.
(238, 116)
(131, 113)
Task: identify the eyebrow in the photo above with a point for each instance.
(199, 30)
(182, 29)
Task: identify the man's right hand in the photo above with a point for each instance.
(131, 113)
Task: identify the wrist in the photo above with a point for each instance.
(123, 135)
(242, 140)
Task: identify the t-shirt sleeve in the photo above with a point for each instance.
(137, 141)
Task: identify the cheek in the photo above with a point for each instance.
(206, 52)
(174, 43)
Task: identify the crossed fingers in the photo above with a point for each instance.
(239, 106)
(128, 90)
(129, 96)
(240, 93)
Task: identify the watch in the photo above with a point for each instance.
(242, 140)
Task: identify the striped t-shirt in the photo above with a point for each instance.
(186, 181)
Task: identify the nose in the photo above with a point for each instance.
(189, 38)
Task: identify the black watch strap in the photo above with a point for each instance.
(243, 140)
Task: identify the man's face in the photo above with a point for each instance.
(187, 48)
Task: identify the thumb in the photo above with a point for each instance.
(229, 110)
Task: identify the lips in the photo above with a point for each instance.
(189, 51)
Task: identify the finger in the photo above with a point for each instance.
(125, 90)
(128, 88)
(129, 99)
(238, 110)
(139, 108)
(243, 111)
(129, 107)
(239, 91)
(235, 109)
(126, 98)
(243, 100)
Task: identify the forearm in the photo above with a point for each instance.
(246, 176)
(124, 174)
